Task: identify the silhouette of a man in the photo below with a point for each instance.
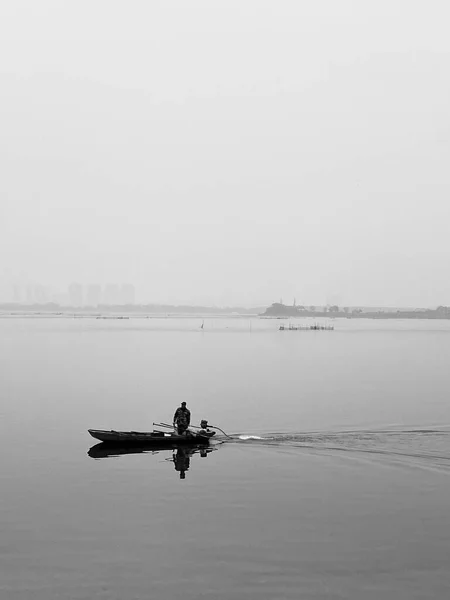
(182, 462)
(182, 418)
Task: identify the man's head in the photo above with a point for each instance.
(183, 405)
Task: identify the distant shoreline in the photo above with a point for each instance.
(154, 311)
(114, 316)
(120, 316)
(281, 311)
(129, 310)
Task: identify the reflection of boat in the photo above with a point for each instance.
(105, 450)
(151, 438)
(180, 456)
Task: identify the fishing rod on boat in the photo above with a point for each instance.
(195, 427)
(171, 426)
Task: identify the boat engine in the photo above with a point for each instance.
(204, 424)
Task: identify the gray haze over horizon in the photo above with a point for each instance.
(228, 153)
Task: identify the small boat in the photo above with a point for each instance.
(147, 438)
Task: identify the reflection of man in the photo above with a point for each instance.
(182, 418)
(182, 461)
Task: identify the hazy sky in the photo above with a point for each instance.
(228, 151)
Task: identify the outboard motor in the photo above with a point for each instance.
(204, 424)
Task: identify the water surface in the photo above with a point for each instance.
(335, 484)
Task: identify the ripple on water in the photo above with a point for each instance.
(424, 448)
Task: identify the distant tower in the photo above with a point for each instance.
(16, 293)
(75, 294)
(128, 294)
(29, 294)
(112, 294)
(294, 305)
(94, 294)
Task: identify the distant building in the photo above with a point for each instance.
(128, 294)
(94, 294)
(75, 294)
(112, 294)
(40, 294)
(17, 293)
(29, 294)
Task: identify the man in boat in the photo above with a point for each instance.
(182, 419)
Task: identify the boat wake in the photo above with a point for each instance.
(424, 448)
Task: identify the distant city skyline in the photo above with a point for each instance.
(76, 294)
(94, 294)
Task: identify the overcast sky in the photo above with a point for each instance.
(228, 151)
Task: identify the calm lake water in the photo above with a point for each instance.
(336, 484)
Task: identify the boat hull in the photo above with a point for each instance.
(149, 438)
